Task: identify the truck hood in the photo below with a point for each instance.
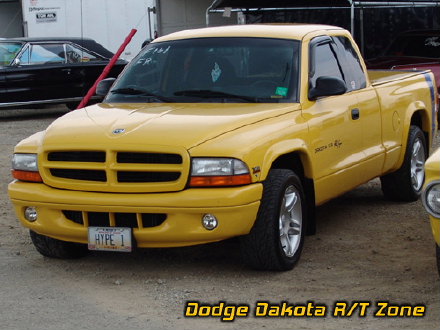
(185, 124)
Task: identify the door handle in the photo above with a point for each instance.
(355, 114)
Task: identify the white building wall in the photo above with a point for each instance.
(176, 15)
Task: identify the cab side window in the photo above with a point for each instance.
(351, 64)
(323, 61)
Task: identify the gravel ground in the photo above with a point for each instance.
(366, 249)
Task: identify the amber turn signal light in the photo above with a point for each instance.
(27, 176)
(218, 181)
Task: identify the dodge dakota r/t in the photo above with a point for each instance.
(221, 132)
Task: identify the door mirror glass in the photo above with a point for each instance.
(16, 62)
(104, 86)
(327, 86)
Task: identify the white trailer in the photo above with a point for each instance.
(106, 21)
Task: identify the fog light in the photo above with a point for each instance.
(209, 221)
(30, 214)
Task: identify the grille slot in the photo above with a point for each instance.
(126, 220)
(77, 156)
(148, 158)
(152, 219)
(102, 219)
(99, 219)
(129, 176)
(87, 175)
(75, 216)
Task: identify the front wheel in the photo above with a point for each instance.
(406, 183)
(277, 237)
(54, 248)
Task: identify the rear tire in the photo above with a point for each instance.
(406, 183)
(277, 237)
(53, 248)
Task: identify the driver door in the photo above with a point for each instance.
(335, 129)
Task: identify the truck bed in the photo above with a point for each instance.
(380, 77)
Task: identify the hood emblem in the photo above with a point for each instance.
(118, 131)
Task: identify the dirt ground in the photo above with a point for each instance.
(366, 249)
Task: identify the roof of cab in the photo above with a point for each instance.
(282, 31)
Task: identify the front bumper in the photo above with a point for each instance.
(435, 227)
(235, 208)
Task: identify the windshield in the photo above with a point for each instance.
(8, 51)
(415, 46)
(211, 70)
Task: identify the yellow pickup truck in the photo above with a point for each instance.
(221, 132)
(431, 198)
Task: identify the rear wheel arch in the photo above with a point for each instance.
(420, 119)
(406, 183)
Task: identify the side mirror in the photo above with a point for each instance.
(16, 62)
(104, 86)
(327, 86)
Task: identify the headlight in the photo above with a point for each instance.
(25, 167)
(208, 172)
(431, 198)
(25, 162)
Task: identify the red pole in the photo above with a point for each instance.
(107, 69)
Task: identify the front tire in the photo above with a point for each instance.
(54, 248)
(277, 237)
(407, 182)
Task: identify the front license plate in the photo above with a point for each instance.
(110, 239)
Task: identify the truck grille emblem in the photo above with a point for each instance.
(119, 131)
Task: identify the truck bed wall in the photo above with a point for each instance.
(409, 94)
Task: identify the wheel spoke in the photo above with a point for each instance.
(416, 148)
(414, 180)
(417, 165)
(290, 225)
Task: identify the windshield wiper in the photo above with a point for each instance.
(141, 92)
(206, 93)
